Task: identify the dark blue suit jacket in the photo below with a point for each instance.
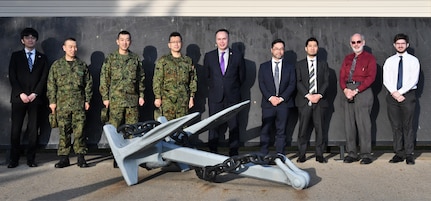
(24, 81)
(226, 87)
(287, 84)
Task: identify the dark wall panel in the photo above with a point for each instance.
(253, 36)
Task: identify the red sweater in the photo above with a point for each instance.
(365, 70)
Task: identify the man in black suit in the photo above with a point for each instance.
(28, 72)
(226, 73)
(277, 83)
(312, 81)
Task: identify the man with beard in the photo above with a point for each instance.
(277, 84)
(357, 73)
(400, 77)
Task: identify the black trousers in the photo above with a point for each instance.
(401, 119)
(215, 133)
(19, 111)
(311, 116)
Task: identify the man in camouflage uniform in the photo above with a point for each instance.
(122, 83)
(69, 94)
(174, 81)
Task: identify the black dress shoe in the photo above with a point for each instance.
(301, 159)
(31, 164)
(321, 159)
(349, 159)
(366, 161)
(12, 165)
(396, 159)
(410, 160)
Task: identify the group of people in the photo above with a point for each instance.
(66, 86)
(400, 78)
(277, 82)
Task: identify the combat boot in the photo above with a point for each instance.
(64, 162)
(81, 161)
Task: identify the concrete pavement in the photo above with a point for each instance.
(332, 181)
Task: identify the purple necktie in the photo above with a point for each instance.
(222, 63)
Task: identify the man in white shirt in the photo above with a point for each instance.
(400, 77)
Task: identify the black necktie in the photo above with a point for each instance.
(400, 74)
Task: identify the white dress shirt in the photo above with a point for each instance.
(411, 69)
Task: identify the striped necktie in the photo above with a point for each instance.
(312, 78)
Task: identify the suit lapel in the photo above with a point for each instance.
(283, 73)
(25, 60)
(36, 60)
(318, 74)
(229, 60)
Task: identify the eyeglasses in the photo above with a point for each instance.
(356, 42)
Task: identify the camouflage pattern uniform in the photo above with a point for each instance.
(69, 86)
(174, 82)
(122, 83)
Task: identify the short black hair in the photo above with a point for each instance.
(277, 41)
(222, 30)
(175, 34)
(401, 36)
(124, 32)
(70, 38)
(311, 39)
(29, 31)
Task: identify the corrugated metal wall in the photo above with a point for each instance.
(212, 8)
